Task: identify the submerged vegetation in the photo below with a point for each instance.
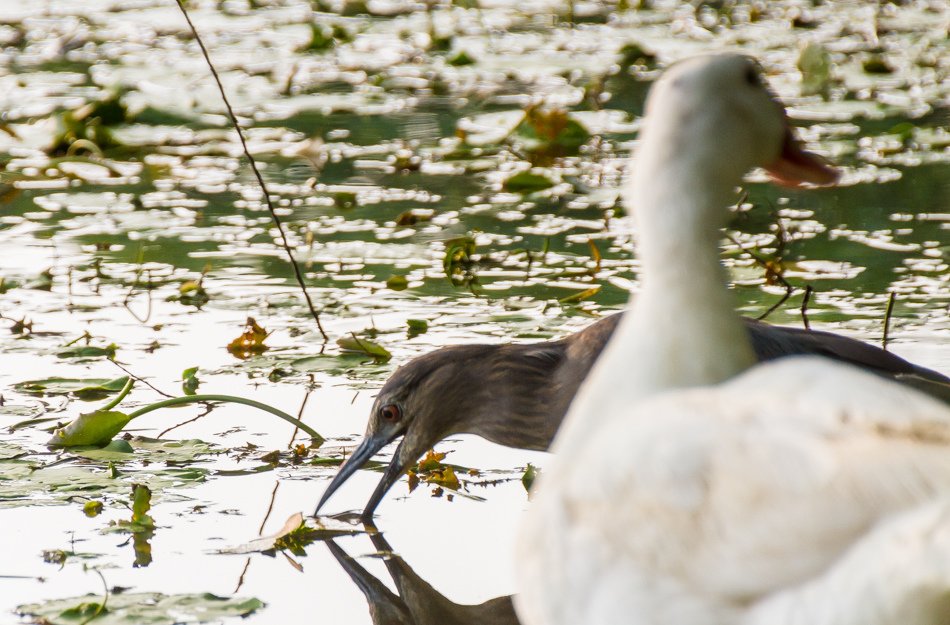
(445, 171)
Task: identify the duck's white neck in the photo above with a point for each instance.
(682, 329)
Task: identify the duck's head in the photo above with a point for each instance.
(712, 119)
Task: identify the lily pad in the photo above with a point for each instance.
(84, 388)
(528, 182)
(141, 607)
(24, 484)
(358, 345)
(89, 351)
(151, 450)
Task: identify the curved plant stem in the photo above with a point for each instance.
(191, 399)
(125, 391)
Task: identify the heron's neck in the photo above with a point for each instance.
(522, 403)
(682, 329)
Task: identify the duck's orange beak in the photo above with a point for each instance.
(796, 166)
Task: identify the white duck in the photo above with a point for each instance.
(802, 492)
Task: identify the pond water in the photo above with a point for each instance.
(409, 151)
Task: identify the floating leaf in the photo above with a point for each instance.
(443, 477)
(461, 59)
(295, 535)
(91, 428)
(414, 216)
(250, 342)
(321, 38)
(397, 283)
(530, 474)
(190, 381)
(85, 388)
(432, 461)
(345, 199)
(192, 293)
(131, 608)
(89, 351)
(141, 504)
(814, 64)
(92, 508)
(364, 346)
(635, 54)
(458, 254)
(546, 134)
(25, 484)
(416, 327)
(527, 182)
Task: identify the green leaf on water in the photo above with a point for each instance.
(458, 253)
(546, 134)
(89, 351)
(84, 388)
(358, 345)
(92, 508)
(145, 449)
(190, 381)
(142, 607)
(141, 504)
(461, 59)
(417, 327)
(530, 474)
(26, 484)
(91, 428)
(528, 182)
(397, 283)
(814, 64)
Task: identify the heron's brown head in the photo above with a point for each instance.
(431, 397)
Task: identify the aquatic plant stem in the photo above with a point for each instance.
(887, 321)
(260, 179)
(125, 391)
(192, 399)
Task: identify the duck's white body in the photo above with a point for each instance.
(802, 492)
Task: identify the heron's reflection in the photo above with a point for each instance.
(417, 602)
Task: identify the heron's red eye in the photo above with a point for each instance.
(390, 412)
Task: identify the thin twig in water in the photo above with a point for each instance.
(775, 306)
(208, 409)
(257, 174)
(887, 320)
(270, 508)
(804, 308)
(142, 380)
(148, 291)
(240, 582)
(303, 404)
(770, 273)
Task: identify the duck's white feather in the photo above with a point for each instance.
(734, 504)
(802, 492)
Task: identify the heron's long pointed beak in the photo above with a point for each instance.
(363, 453)
(397, 466)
